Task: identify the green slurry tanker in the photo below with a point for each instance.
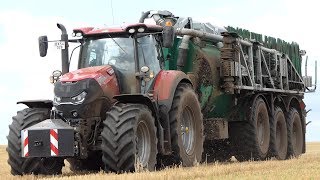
(177, 91)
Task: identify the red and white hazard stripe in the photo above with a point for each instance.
(54, 146)
(25, 143)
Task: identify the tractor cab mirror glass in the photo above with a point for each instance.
(43, 45)
(55, 76)
(56, 73)
(168, 36)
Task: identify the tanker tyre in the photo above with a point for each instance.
(278, 135)
(251, 138)
(295, 134)
(129, 140)
(186, 127)
(20, 165)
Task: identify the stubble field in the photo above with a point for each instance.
(305, 167)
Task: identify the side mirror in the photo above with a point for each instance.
(43, 45)
(168, 36)
(55, 76)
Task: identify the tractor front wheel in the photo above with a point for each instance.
(20, 165)
(129, 141)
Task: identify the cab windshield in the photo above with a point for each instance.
(118, 52)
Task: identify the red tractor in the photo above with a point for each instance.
(119, 110)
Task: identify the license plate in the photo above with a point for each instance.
(60, 45)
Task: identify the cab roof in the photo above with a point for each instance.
(91, 31)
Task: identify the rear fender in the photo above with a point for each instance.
(37, 103)
(166, 84)
(164, 87)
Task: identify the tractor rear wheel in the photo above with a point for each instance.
(20, 165)
(295, 134)
(278, 135)
(129, 140)
(251, 138)
(186, 127)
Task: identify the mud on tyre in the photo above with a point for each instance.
(250, 138)
(129, 140)
(295, 134)
(186, 127)
(278, 135)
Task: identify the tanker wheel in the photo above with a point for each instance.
(251, 138)
(20, 165)
(186, 127)
(129, 140)
(92, 163)
(278, 135)
(295, 134)
(216, 150)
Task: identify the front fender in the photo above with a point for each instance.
(37, 103)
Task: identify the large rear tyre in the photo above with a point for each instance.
(186, 127)
(251, 138)
(20, 165)
(129, 140)
(278, 135)
(295, 134)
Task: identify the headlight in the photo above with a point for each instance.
(56, 100)
(79, 98)
(141, 29)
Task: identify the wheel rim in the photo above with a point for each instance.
(296, 136)
(278, 136)
(281, 138)
(187, 130)
(260, 129)
(143, 143)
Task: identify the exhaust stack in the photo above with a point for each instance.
(64, 51)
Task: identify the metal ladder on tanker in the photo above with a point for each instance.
(247, 65)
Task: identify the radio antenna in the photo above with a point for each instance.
(112, 12)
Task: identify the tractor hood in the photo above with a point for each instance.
(87, 73)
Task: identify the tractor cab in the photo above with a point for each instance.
(133, 52)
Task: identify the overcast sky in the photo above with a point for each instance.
(24, 75)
